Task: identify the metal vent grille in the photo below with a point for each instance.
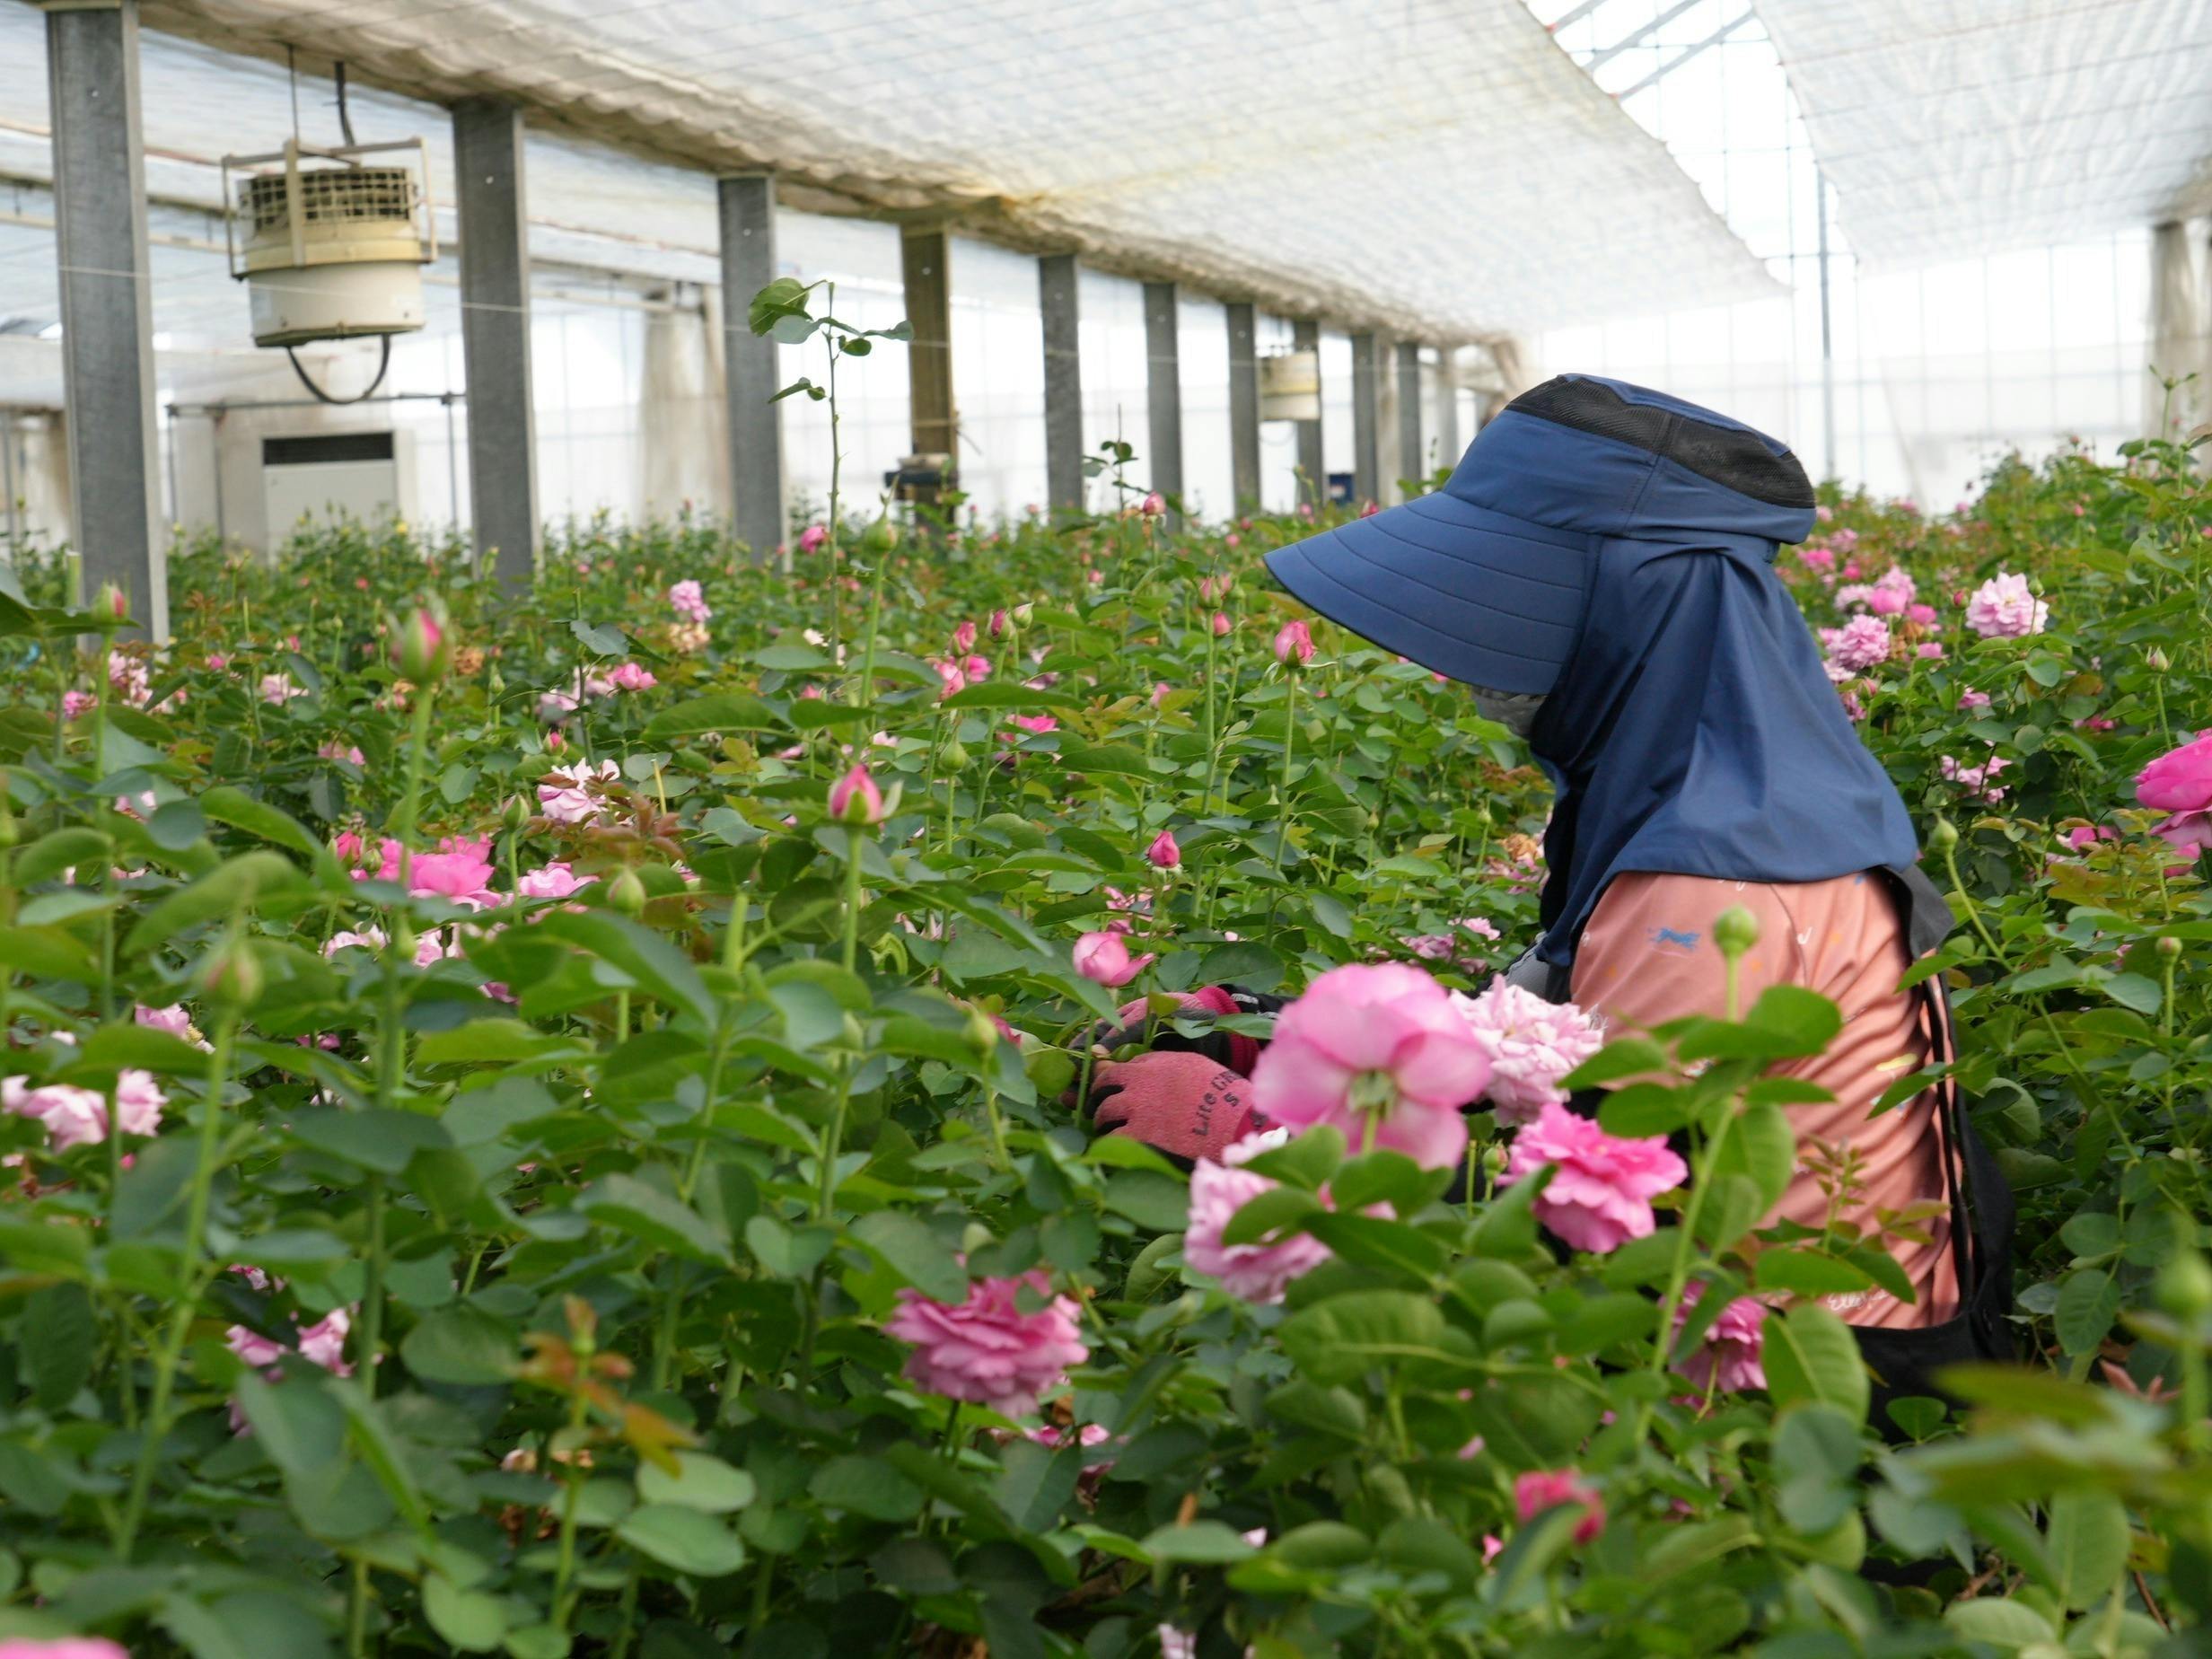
(331, 196)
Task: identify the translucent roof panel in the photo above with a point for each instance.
(1436, 168)
(1955, 128)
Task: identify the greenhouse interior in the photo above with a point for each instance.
(1248, 828)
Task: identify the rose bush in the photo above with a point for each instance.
(546, 1136)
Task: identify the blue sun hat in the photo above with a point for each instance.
(1611, 548)
(1487, 579)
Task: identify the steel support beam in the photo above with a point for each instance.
(1056, 296)
(925, 263)
(495, 333)
(1637, 37)
(1243, 408)
(1163, 388)
(1306, 335)
(750, 368)
(1448, 446)
(1367, 422)
(1412, 460)
(107, 310)
(1684, 55)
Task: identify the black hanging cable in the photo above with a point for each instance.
(344, 118)
(383, 364)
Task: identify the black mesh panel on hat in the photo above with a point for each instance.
(1735, 459)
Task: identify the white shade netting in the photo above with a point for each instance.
(1437, 168)
(1958, 127)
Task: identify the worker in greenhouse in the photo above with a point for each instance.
(1599, 570)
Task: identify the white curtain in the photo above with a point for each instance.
(682, 414)
(2177, 333)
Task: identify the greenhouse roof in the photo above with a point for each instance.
(1954, 127)
(1438, 169)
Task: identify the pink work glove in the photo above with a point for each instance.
(1185, 1105)
(1134, 1021)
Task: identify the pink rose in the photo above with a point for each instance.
(2003, 608)
(556, 880)
(689, 601)
(1294, 639)
(1726, 1356)
(1037, 723)
(985, 1348)
(576, 794)
(1530, 1043)
(1379, 1050)
(60, 1647)
(72, 1116)
(1600, 1190)
(1971, 700)
(1221, 624)
(1979, 781)
(2186, 833)
(2181, 779)
(964, 638)
(1257, 1273)
(1164, 853)
(460, 870)
(1539, 1490)
(1922, 616)
(1859, 644)
(138, 1102)
(1105, 958)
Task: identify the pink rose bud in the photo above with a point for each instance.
(812, 538)
(1022, 613)
(1233, 541)
(1164, 853)
(1152, 505)
(1294, 639)
(964, 638)
(1369, 509)
(109, 605)
(421, 646)
(854, 799)
(998, 624)
(1105, 958)
(1221, 623)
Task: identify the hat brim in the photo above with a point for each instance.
(1478, 596)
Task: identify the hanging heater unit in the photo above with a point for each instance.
(331, 243)
(1290, 386)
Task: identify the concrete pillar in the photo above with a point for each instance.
(1413, 461)
(1367, 422)
(107, 311)
(1056, 294)
(495, 333)
(1306, 335)
(1243, 408)
(751, 371)
(1164, 387)
(1448, 446)
(926, 260)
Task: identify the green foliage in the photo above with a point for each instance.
(575, 1223)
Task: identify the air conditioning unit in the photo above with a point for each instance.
(330, 244)
(1290, 386)
(368, 476)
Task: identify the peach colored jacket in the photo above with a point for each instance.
(1647, 956)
